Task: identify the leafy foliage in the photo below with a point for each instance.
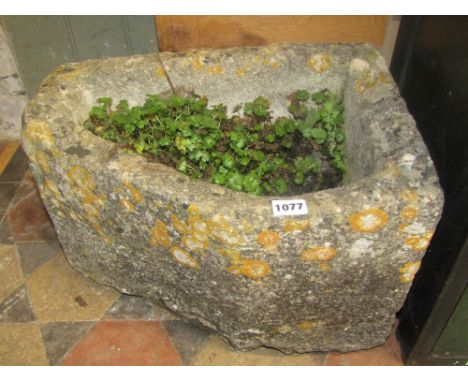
(249, 151)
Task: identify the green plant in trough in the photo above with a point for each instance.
(248, 151)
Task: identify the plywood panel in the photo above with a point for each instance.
(177, 33)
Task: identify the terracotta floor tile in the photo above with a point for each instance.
(125, 343)
(59, 293)
(188, 338)
(21, 344)
(137, 308)
(11, 276)
(217, 352)
(29, 220)
(60, 337)
(17, 307)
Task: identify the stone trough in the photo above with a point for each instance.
(332, 279)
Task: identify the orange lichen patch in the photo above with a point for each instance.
(215, 69)
(319, 63)
(179, 225)
(368, 221)
(135, 193)
(107, 239)
(39, 131)
(296, 225)
(370, 79)
(183, 257)
(43, 161)
(253, 269)
(318, 254)
(193, 210)
(419, 243)
(393, 170)
(408, 271)
(409, 213)
(409, 195)
(307, 325)
(159, 235)
(268, 239)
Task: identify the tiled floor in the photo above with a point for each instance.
(52, 315)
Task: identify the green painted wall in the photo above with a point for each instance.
(453, 341)
(41, 43)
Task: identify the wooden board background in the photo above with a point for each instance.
(177, 33)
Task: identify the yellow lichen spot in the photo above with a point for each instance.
(324, 267)
(242, 71)
(275, 65)
(419, 243)
(221, 230)
(408, 271)
(178, 225)
(107, 239)
(253, 269)
(231, 254)
(368, 221)
(215, 69)
(43, 161)
(318, 254)
(268, 239)
(135, 193)
(159, 235)
(195, 244)
(320, 63)
(81, 177)
(370, 79)
(125, 203)
(409, 213)
(197, 63)
(91, 210)
(247, 226)
(307, 325)
(183, 257)
(39, 131)
(50, 187)
(193, 210)
(296, 225)
(409, 195)
(284, 329)
(160, 71)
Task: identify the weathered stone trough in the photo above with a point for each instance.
(329, 280)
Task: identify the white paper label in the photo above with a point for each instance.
(290, 207)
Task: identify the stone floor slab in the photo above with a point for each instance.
(29, 220)
(137, 308)
(7, 191)
(26, 187)
(59, 293)
(60, 337)
(217, 352)
(11, 275)
(21, 344)
(188, 338)
(32, 255)
(17, 307)
(125, 343)
(6, 236)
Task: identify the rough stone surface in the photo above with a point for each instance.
(331, 280)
